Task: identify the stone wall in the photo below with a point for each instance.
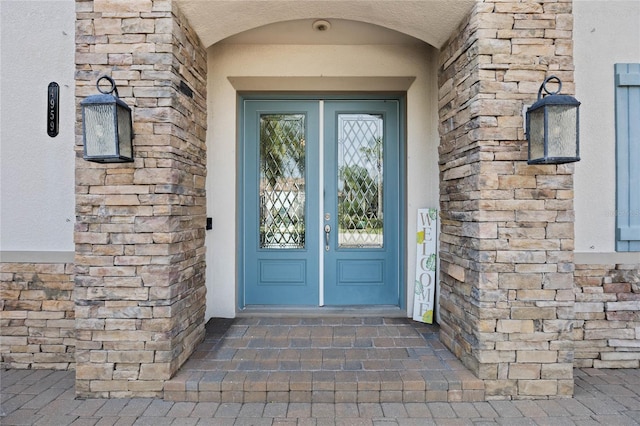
(508, 302)
(37, 316)
(140, 227)
(507, 228)
(607, 326)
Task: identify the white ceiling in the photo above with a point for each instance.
(301, 31)
(352, 21)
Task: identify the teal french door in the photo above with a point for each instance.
(320, 202)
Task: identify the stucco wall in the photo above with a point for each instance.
(36, 186)
(605, 33)
(234, 60)
(607, 318)
(36, 171)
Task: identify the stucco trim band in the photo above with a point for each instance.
(37, 256)
(607, 258)
(341, 84)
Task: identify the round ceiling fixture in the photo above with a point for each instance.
(321, 25)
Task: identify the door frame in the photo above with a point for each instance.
(402, 179)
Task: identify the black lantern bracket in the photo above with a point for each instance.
(107, 127)
(543, 86)
(114, 88)
(552, 126)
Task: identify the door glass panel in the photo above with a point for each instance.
(360, 180)
(282, 181)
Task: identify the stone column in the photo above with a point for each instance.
(507, 301)
(140, 227)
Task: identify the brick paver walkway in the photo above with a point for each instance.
(319, 372)
(46, 397)
(325, 360)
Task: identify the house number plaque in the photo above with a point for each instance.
(52, 109)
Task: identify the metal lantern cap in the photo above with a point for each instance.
(553, 98)
(553, 127)
(107, 126)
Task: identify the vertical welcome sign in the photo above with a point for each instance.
(424, 290)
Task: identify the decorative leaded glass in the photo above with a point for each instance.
(282, 181)
(360, 180)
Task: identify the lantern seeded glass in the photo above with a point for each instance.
(106, 126)
(124, 131)
(99, 130)
(536, 133)
(562, 131)
(552, 127)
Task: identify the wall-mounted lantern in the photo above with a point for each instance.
(553, 127)
(107, 128)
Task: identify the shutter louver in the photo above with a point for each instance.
(628, 157)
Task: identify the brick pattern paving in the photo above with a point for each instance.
(323, 360)
(47, 397)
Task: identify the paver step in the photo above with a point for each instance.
(329, 360)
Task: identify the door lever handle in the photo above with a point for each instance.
(327, 231)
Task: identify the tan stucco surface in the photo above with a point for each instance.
(431, 21)
(256, 67)
(36, 171)
(605, 33)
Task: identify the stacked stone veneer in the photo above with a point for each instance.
(607, 329)
(508, 295)
(507, 301)
(140, 227)
(37, 316)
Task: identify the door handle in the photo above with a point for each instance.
(327, 231)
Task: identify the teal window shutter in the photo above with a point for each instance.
(627, 80)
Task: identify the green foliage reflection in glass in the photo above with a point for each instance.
(282, 181)
(360, 180)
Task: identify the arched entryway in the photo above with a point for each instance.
(141, 257)
(268, 60)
